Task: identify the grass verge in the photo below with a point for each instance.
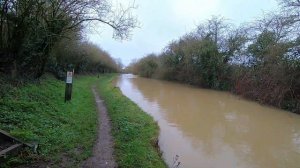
(36, 112)
(134, 131)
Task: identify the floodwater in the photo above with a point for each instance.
(213, 129)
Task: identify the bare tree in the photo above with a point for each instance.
(216, 29)
(291, 8)
(279, 24)
(119, 18)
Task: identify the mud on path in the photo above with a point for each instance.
(103, 149)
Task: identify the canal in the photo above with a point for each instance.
(212, 129)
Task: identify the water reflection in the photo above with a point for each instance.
(216, 129)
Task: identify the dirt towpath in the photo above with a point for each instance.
(103, 149)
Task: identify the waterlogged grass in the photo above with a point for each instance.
(135, 132)
(37, 113)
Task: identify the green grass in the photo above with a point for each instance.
(66, 132)
(135, 132)
(36, 112)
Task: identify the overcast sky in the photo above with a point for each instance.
(162, 21)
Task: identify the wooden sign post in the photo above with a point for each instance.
(68, 91)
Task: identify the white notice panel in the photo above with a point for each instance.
(69, 77)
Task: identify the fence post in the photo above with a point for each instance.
(69, 81)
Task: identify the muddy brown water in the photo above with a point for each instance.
(213, 129)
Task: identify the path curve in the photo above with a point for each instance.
(103, 149)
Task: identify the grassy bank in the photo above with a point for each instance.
(134, 131)
(36, 112)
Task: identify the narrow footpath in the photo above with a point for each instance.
(103, 149)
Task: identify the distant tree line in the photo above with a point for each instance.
(82, 56)
(259, 60)
(35, 34)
